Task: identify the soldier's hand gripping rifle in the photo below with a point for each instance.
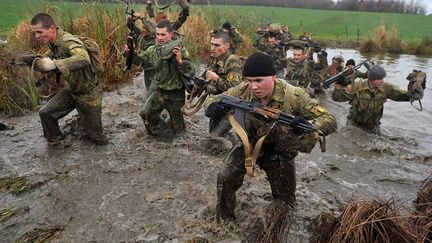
(267, 114)
(132, 38)
(28, 60)
(328, 82)
(197, 90)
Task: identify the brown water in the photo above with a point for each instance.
(144, 189)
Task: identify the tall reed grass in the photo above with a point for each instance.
(106, 23)
(384, 40)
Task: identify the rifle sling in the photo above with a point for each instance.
(420, 108)
(196, 107)
(251, 153)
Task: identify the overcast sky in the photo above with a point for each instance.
(428, 4)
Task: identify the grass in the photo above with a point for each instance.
(339, 25)
(322, 24)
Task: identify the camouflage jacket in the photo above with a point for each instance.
(236, 40)
(228, 68)
(145, 38)
(300, 74)
(169, 75)
(73, 61)
(277, 53)
(302, 104)
(367, 106)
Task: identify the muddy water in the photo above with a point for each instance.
(145, 189)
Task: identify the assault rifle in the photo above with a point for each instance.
(328, 82)
(267, 113)
(131, 40)
(263, 111)
(25, 60)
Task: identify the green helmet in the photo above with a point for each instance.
(165, 51)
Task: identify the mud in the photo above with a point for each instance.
(145, 189)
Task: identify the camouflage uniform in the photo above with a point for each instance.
(279, 149)
(320, 73)
(236, 40)
(147, 38)
(300, 74)
(228, 68)
(168, 91)
(367, 106)
(82, 93)
(277, 53)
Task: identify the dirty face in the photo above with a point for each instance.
(44, 35)
(272, 42)
(298, 55)
(163, 35)
(262, 87)
(218, 47)
(376, 83)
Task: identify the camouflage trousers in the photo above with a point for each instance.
(89, 111)
(148, 78)
(374, 129)
(157, 101)
(280, 172)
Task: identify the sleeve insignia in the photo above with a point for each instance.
(230, 77)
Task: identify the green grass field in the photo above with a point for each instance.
(322, 24)
(340, 25)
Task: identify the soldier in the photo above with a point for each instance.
(320, 73)
(148, 35)
(169, 89)
(223, 72)
(367, 98)
(235, 38)
(68, 55)
(282, 143)
(300, 68)
(223, 68)
(270, 44)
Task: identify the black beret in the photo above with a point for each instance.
(259, 65)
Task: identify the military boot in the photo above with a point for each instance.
(184, 4)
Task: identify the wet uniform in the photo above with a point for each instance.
(300, 74)
(367, 106)
(147, 38)
(83, 92)
(168, 91)
(228, 68)
(280, 147)
(277, 53)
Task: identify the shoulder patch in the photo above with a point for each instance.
(230, 77)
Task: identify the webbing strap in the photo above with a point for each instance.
(289, 98)
(188, 108)
(251, 154)
(420, 108)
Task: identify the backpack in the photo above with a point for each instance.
(416, 86)
(93, 50)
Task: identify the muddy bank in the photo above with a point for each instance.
(145, 189)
